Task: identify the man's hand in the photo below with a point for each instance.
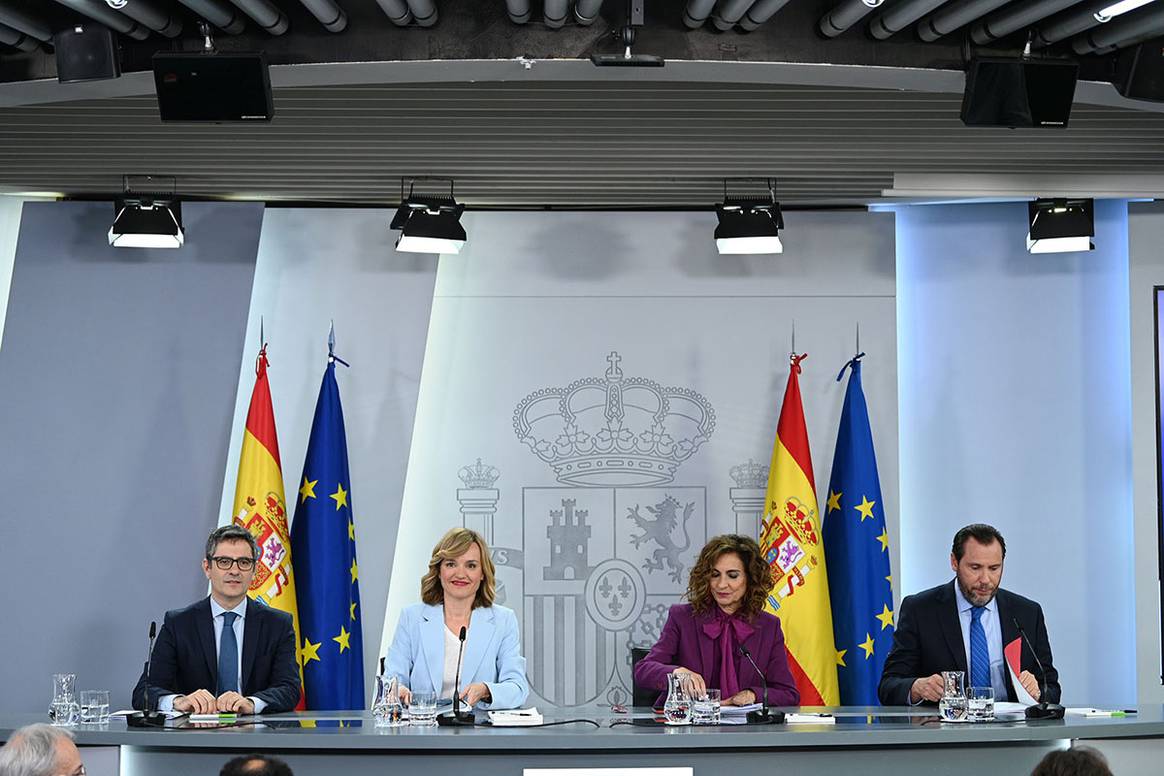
(1030, 684)
(231, 701)
(475, 692)
(197, 702)
(742, 698)
(692, 681)
(927, 688)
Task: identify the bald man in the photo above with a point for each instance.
(41, 750)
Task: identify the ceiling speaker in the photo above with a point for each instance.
(86, 53)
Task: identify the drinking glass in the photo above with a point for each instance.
(94, 707)
(952, 706)
(705, 708)
(422, 709)
(980, 704)
(63, 710)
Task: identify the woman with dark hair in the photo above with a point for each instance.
(702, 639)
(457, 593)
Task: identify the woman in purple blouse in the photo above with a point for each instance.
(703, 639)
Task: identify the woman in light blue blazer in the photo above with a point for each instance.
(457, 592)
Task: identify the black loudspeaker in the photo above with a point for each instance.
(1018, 92)
(213, 87)
(1140, 72)
(86, 53)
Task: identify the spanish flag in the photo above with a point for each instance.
(790, 538)
(259, 505)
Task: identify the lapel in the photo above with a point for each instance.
(251, 627)
(951, 627)
(480, 636)
(706, 645)
(432, 643)
(204, 622)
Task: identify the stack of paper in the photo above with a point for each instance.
(515, 718)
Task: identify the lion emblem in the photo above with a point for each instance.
(659, 529)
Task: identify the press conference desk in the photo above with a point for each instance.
(869, 741)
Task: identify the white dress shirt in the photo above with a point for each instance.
(990, 624)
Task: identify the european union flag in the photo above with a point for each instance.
(323, 549)
(857, 552)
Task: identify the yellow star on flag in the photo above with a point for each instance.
(351, 531)
(344, 639)
(310, 651)
(886, 617)
(353, 610)
(307, 490)
(865, 508)
(884, 539)
(889, 579)
(355, 570)
(867, 646)
(834, 502)
(841, 657)
(340, 496)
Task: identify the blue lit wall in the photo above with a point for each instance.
(1015, 409)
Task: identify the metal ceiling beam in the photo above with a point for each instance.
(586, 11)
(1116, 33)
(148, 13)
(759, 13)
(1016, 18)
(900, 15)
(17, 39)
(955, 16)
(100, 12)
(1073, 22)
(327, 13)
(23, 22)
(217, 12)
(265, 14)
(845, 15)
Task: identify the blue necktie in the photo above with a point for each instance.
(228, 655)
(979, 653)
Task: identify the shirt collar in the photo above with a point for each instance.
(964, 605)
(216, 609)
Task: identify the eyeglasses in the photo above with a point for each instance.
(224, 563)
(78, 771)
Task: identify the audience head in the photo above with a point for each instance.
(255, 765)
(41, 750)
(730, 575)
(976, 558)
(1078, 761)
(460, 569)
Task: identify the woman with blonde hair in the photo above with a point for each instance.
(702, 639)
(457, 592)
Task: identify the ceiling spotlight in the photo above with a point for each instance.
(1060, 225)
(144, 222)
(429, 224)
(749, 224)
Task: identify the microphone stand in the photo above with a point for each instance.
(148, 718)
(1043, 709)
(764, 716)
(456, 717)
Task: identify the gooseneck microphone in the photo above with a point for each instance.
(148, 717)
(458, 717)
(764, 716)
(1043, 709)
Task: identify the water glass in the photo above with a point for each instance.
(63, 710)
(422, 709)
(980, 704)
(94, 707)
(705, 708)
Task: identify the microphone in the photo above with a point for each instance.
(1043, 709)
(458, 717)
(149, 717)
(764, 716)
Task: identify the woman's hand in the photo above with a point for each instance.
(477, 691)
(405, 695)
(692, 681)
(742, 698)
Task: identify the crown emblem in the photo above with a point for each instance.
(750, 475)
(478, 475)
(614, 430)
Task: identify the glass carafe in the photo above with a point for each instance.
(677, 707)
(952, 706)
(64, 711)
(387, 709)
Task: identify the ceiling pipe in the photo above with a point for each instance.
(398, 13)
(586, 11)
(17, 39)
(1143, 37)
(955, 17)
(330, 15)
(269, 17)
(845, 15)
(1081, 18)
(729, 12)
(899, 16)
(98, 11)
(1120, 31)
(424, 11)
(696, 13)
(555, 12)
(1016, 18)
(21, 22)
(145, 12)
(759, 13)
(223, 16)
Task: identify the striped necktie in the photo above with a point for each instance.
(979, 652)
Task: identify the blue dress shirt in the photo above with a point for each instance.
(990, 624)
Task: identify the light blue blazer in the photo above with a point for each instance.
(492, 653)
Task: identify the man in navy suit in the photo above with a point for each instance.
(963, 625)
(227, 652)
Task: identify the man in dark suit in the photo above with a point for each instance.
(227, 652)
(963, 625)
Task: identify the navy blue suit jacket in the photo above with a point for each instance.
(185, 656)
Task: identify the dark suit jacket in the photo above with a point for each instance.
(928, 640)
(185, 656)
(684, 644)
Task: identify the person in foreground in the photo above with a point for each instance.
(963, 625)
(41, 750)
(1076, 761)
(255, 765)
(458, 592)
(225, 653)
(705, 640)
